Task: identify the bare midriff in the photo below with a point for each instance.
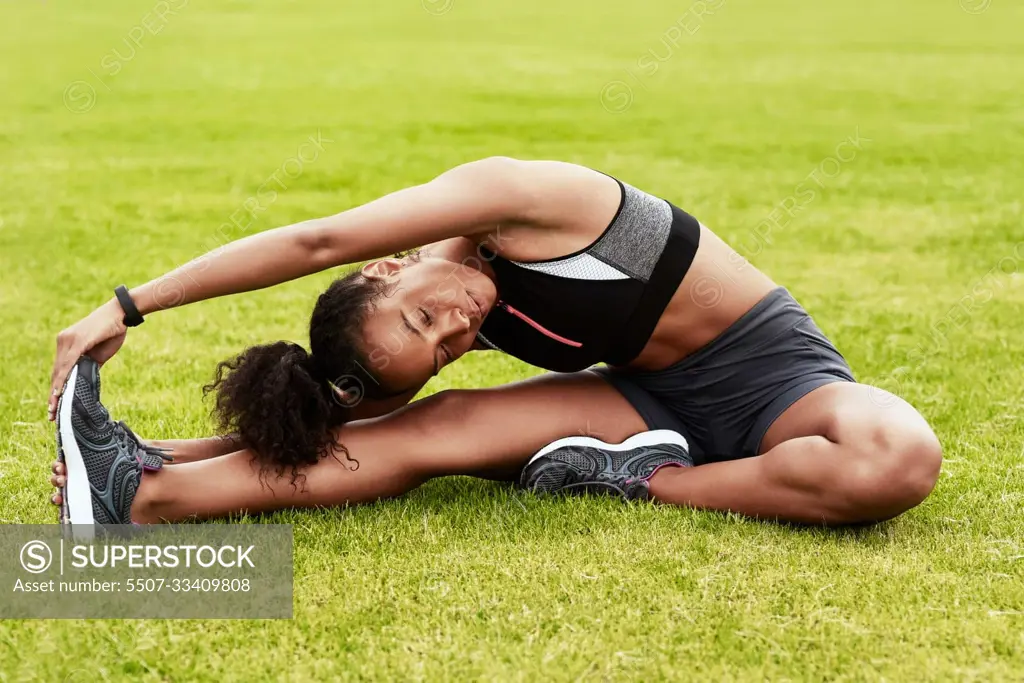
(718, 289)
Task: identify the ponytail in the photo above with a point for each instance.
(277, 400)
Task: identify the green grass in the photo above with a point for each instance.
(464, 579)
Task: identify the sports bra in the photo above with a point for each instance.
(601, 303)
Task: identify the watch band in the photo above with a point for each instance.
(132, 317)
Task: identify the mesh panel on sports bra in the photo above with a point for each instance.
(579, 267)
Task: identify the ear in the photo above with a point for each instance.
(381, 269)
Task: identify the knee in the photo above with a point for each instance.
(914, 462)
(896, 468)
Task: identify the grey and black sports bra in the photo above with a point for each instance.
(601, 303)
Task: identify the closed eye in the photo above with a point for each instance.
(427, 318)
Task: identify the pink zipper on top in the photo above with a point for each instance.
(537, 326)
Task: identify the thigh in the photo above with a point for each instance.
(843, 412)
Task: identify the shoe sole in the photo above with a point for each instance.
(652, 438)
(77, 495)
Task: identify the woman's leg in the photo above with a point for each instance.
(844, 453)
(492, 431)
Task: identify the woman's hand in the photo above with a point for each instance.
(98, 335)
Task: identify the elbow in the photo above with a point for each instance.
(494, 170)
(315, 240)
(498, 163)
(489, 171)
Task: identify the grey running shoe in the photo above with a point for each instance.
(103, 460)
(581, 464)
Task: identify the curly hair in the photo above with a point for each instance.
(280, 399)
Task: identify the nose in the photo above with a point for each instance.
(461, 320)
(455, 323)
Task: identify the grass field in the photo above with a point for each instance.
(120, 160)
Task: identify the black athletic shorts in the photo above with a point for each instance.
(725, 396)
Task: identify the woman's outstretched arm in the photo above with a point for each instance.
(466, 200)
(204, 448)
(193, 450)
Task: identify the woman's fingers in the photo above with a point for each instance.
(66, 358)
(61, 370)
(57, 480)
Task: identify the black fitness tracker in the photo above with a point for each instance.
(132, 317)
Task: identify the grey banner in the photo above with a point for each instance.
(187, 571)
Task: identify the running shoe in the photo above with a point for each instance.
(581, 464)
(103, 459)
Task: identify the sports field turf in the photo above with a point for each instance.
(118, 162)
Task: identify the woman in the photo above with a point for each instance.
(709, 364)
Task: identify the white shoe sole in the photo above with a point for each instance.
(77, 493)
(652, 438)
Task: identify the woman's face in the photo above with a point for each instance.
(427, 320)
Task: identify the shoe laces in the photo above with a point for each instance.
(127, 437)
